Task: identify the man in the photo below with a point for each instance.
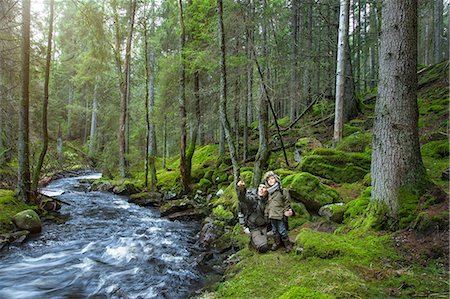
(252, 204)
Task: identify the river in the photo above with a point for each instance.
(108, 248)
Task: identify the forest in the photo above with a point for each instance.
(126, 125)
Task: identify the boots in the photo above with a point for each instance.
(277, 243)
(287, 245)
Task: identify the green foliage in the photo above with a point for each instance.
(10, 206)
(336, 165)
(307, 188)
(228, 199)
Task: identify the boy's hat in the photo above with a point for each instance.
(269, 174)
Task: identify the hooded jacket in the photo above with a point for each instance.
(253, 207)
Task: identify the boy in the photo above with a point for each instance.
(277, 208)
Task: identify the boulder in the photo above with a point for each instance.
(126, 188)
(191, 214)
(334, 212)
(338, 166)
(169, 195)
(146, 199)
(28, 220)
(175, 206)
(101, 186)
(49, 204)
(307, 144)
(209, 233)
(307, 189)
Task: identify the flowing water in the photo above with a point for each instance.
(108, 248)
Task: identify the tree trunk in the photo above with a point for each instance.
(373, 50)
(59, 142)
(37, 169)
(350, 105)
(164, 142)
(248, 103)
(149, 107)
(438, 16)
(23, 140)
(182, 104)
(69, 112)
(340, 71)
(124, 94)
(196, 125)
(396, 159)
(295, 59)
(223, 94)
(92, 135)
(263, 128)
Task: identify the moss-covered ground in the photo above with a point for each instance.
(9, 206)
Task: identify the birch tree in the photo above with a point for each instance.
(340, 70)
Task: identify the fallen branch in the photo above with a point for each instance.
(300, 116)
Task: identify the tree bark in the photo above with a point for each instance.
(182, 103)
(396, 158)
(149, 107)
(295, 59)
(438, 20)
(193, 141)
(92, 134)
(37, 169)
(23, 140)
(223, 93)
(124, 93)
(340, 71)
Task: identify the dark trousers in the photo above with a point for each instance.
(279, 229)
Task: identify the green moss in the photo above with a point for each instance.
(360, 264)
(307, 188)
(307, 144)
(425, 223)
(436, 149)
(357, 142)
(169, 180)
(302, 292)
(341, 167)
(356, 208)
(221, 214)
(350, 191)
(301, 215)
(284, 122)
(179, 204)
(349, 129)
(204, 184)
(10, 206)
(228, 199)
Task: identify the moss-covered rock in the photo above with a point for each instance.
(357, 142)
(220, 177)
(426, 222)
(174, 206)
(333, 212)
(146, 199)
(307, 144)
(307, 188)
(341, 167)
(10, 206)
(304, 293)
(28, 220)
